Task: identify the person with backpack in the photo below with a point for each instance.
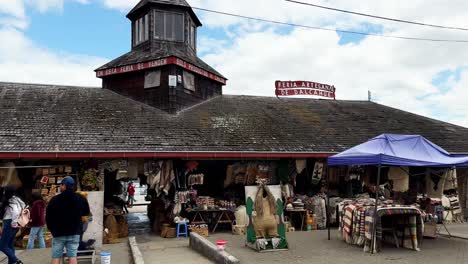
(12, 208)
(64, 220)
(37, 221)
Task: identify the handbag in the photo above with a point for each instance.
(24, 218)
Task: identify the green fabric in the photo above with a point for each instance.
(251, 236)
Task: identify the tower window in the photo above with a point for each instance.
(169, 26)
(192, 36)
(141, 30)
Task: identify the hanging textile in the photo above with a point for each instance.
(153, 172)
(229, 176)
(9, 176)
(317, 173)
(167, 176)
(434, 183)
(400, 178)
(239, 173)
(262, 172)
(132, 170)
(292, 173)
(450, 180)
(191, 165)
(300, 165)
(251, 173)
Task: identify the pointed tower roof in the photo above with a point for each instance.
(178, 3)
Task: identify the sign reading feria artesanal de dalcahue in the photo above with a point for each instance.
(291, 88)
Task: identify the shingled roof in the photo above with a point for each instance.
(45, 118)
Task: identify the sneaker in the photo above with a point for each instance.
(19, 262)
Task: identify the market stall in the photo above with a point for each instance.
(395, 151)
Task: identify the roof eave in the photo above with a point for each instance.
(162, 154)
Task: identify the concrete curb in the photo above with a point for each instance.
(136, 253)
(209, 250)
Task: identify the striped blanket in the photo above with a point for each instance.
(357, 224)
(411, 227)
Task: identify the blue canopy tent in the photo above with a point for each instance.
(396, 150)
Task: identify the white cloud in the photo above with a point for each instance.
(23, 61)
(14, 8)
(46, 5)
(122, 5)
(398, 72)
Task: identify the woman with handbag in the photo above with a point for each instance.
(11, 208)
(37, 221)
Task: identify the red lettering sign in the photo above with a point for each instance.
(158, 63)
(291, 88)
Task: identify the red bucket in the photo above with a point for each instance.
(221, 244)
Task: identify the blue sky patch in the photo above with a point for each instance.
(346, 38)
(83, 29)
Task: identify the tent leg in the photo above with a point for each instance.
(374, 227)
(328, 202)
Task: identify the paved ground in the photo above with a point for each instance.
(168, 251)
(120, 255)
(456, 230)
(313, 247)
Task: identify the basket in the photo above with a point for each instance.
(168, 232)
(202, 230)
(238, 229)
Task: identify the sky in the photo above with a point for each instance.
(63, 41)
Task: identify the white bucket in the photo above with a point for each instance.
(105, 257)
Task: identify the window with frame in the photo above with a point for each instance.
(152, 79)
(189, 81)
(141, 30)
(169, 26)
(192, 36)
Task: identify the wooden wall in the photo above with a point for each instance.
(167, 99)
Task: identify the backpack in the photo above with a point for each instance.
(24, 218)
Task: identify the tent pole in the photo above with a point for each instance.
(328, 202)
(374, 226)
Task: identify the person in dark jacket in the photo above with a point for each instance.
(37, 221)
(63, 218)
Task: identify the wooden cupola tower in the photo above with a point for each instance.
(162, 69)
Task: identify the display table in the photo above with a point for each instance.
(222, 217)
(302, 214)
(403, 223)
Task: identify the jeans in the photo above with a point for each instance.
(131, 199)
(71, 243)
(7, 241)
(36, 231)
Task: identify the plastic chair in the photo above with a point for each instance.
(179, 225)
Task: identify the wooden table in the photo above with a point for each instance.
(301, 212)
(223, 217)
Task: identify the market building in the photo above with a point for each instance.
(161, 118)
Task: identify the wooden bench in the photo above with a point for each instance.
(82, 256)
